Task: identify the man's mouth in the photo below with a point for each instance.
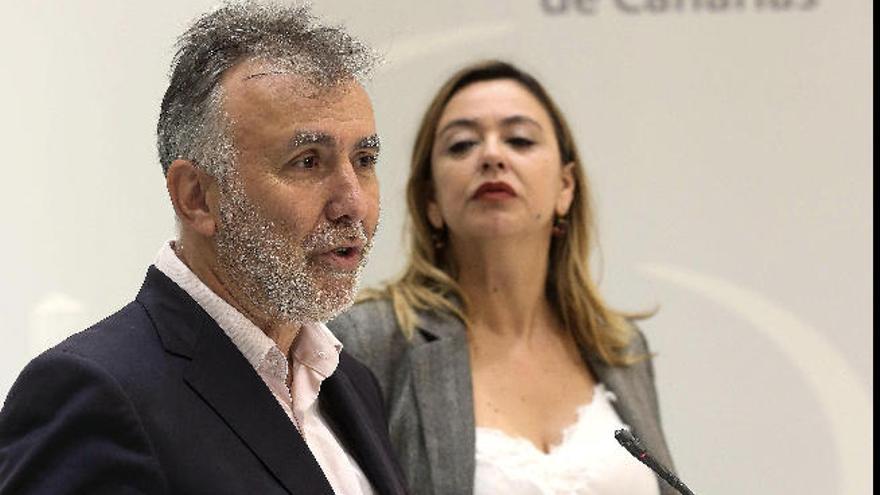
(342, 258)
(345, 251)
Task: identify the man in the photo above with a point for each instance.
(221, 377)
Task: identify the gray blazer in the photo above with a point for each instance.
(427, 386)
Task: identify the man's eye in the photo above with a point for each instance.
(306, 161)
(368, 161)
(461, 147)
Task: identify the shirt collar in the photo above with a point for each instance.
(315, 346)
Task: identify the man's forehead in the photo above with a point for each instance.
(262, 99)
(282, 77)
(258, 90)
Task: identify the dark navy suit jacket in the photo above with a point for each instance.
(157, 399)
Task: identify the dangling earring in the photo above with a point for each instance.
(560, 226)
(438, 237)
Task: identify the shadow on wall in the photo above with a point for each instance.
(845, 401)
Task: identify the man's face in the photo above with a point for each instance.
(300, 205)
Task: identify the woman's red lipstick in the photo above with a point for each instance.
(494, 191)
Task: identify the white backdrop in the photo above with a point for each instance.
(728, 141)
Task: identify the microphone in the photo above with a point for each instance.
(632, 444)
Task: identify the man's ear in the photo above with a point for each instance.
(193, 194)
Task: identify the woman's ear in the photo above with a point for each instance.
(194, 196)
(566, 192)
(434, 216)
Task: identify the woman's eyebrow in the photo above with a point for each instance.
(519, 119)
(469, 123)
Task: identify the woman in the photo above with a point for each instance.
(499, 360)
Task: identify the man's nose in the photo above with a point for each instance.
(348, 200)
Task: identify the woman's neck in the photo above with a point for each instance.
(504, 282)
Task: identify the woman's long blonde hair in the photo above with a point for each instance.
(429, 280)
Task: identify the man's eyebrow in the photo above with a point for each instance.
(302, 138)
(369, 142)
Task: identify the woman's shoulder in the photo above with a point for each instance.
(368, 314)
(370, 332)
(639, 351)
(634, 357)
(638, 343)
(376, 318)
(366, 322)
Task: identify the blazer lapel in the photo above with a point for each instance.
(350, 419)
(444, 394)
(223, 378)
(633, 405)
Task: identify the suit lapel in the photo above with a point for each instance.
(224, 379)
(444, 394)
(347, 415)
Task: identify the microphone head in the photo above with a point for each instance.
(624, 436)
(629, 441)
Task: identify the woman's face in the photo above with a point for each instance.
(495, 165)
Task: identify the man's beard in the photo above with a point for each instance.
(280, 280)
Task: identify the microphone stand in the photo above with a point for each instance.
(634, 447)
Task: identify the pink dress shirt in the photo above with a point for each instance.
(315, 354)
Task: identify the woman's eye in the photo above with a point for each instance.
(520, 142)
(461, 147)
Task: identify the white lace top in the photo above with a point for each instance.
(588, 460)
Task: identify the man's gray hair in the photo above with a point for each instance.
(191, 122)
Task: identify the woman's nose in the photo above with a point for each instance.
(493, 157)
